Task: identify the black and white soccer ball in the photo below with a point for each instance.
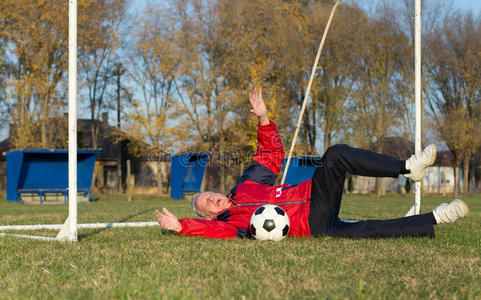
(269, 222)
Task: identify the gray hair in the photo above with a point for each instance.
(193, 199)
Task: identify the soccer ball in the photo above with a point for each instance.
(269, 222)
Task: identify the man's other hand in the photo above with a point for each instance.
(258, 106)
(168, 220)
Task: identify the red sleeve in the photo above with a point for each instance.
(207, 228)
(270, 152)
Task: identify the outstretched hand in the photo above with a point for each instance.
(258, 106)
(168, 220)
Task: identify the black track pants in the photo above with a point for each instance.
(326, 194)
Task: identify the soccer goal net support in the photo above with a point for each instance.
(416, 208)
(68, 230)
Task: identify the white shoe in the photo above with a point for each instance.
(417, 164)
(446, 213)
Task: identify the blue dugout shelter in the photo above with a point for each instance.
(300, 168)
(46, 171)
(186, 174)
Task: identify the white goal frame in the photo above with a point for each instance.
(416, 208)
(68, 230)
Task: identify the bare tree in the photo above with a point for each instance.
(152, 65)
(3, 66)
(455, 100)
(376, 103)
(98, 41)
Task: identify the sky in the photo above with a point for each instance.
(469, 4)
(460, 4)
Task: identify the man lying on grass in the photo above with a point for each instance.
(313, 205)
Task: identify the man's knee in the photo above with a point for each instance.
(335, 152)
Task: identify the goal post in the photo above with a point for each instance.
(418, 99)
(418, 107)
(69, 229)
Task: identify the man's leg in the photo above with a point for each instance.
(413, 226)
(328, 179)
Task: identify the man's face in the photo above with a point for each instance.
(211, 204)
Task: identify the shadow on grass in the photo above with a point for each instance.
(99, 230)
(167, 232)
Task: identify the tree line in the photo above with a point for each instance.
(183, 70)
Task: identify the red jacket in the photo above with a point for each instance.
(255, 188)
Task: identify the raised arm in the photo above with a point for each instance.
(270, 153)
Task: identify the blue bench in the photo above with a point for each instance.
(43, 172)
(187, 172)
(42, 193)
(300, 168)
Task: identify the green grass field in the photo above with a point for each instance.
(150, 263)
